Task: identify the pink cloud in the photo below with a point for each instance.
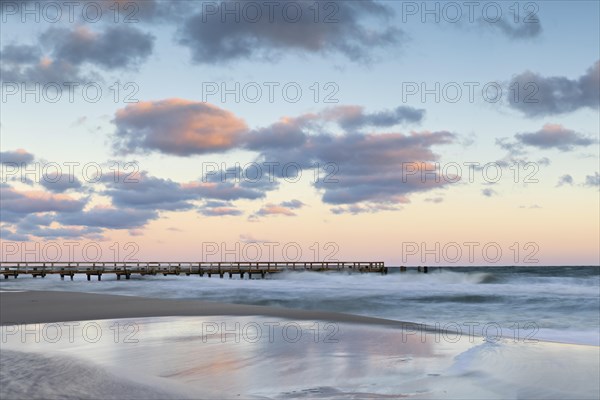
(177, 126)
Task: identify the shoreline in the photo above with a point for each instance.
(171, 353)
(34, 307)
(47, 306)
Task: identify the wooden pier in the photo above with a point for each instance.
(126, 269)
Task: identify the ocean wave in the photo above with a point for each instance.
(501, 295)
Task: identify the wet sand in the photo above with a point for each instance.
(195, 349)
(31, 307)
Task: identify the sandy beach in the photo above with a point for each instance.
(32, 307)
(130, 347)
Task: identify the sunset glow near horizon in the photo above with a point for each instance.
(311, 131)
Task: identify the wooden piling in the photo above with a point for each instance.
(62, 269)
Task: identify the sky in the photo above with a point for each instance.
(415, 133)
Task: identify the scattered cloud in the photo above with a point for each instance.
(518, 31)
(8, 234)
(34, 201)
(565, 180)
(117, 46)
(293, 204)
(352, 118)
(364, 208)
(489, 192)
(109, 217)
(16, 157)
(285, 208)
(59, 183)
(176, 126)
(66, 233)
(542, 96)
(369, 167)
(62, 53)
(148, 193)
(213, 39)
(247, 238)
(218, 209)
(531, 207)
(555, 136)
(592, 180)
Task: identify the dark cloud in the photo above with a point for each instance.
(540, 96)
(13, 54)
(294, 132)
(235, 183)
(555, 136)
(117, 46)
(213, 39)
(377, 167)
(367, 167)
(60, 183)
(33, 221)
(17, 157)
(217, 203)
(149, 193)
(227, 191)
(43, 71)
(279, 135)
(371, 167)
(129, 11)
(62, 53)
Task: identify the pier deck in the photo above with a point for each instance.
(209, 269)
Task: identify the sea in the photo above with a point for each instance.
(552, 303)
